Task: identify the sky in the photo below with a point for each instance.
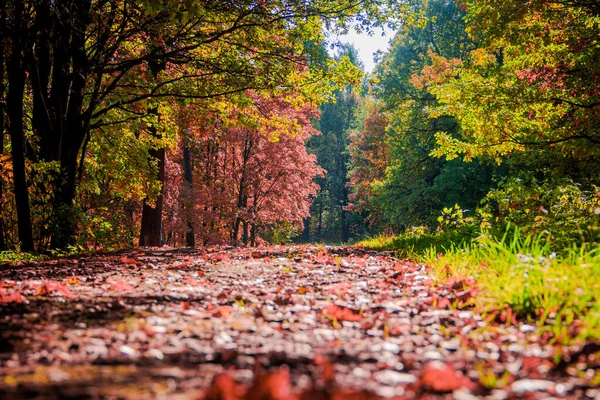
(367, 45)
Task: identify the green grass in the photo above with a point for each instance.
(415, 245)
(522, 275)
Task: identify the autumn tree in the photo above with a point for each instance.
(369, 153)
(249, 173)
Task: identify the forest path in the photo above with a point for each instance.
(163, 323)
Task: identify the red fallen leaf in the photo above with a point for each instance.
(442, 378)
(219, 257)
(256, 254)
(74, 280)
(14, 297)
(129, 261)
(270, 386)
(185, 305)
(7, 284)
(223, 387)
(400, 266)
(341, 313)
(222, 311)
(192, 282)
(121, 285)
(48, 287)
(148, 330)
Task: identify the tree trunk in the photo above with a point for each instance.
(188, 178)
(75, 126)
(320, 226)
(15, 97)
(306, 230)
(150, 232)
(245, 236)
(253, 235)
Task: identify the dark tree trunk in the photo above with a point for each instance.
(236, 230)
(150, 232)
(76, 123)
(253, 235)
(188, 177)
(306, 230)
(14, 109)
(320, 226)
(245, 236)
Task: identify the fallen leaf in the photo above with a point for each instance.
(74, 280)
(222, 311)
(440, 377)
(223, 387)
(121, 285)
(14, 297)
(270, 386)
(48, 287)
(129, 261)
(341, 313)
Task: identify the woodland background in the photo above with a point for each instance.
(140, 123)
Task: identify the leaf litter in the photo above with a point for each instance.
(284, 322)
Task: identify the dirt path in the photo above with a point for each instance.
(337, 323)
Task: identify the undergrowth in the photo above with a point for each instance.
(518, 274)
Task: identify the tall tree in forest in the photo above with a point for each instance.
(418, 185)
(2, 111)
(15, 29)
(369, 153)
(331, 149)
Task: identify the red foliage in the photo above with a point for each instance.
(242, 181)
(14, 297)
(370, 154)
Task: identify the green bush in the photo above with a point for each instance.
(557, 206)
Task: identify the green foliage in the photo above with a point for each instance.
(417, 241)
(332, 221)
(282, 232)
(416, 185)
(555, 205)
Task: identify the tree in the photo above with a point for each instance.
(529, 87)
(418, 185)
(331, 149)
(369, 153)
(245, 171)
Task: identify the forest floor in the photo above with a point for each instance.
(276, 323)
